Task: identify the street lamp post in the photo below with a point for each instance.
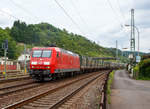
(138, 40)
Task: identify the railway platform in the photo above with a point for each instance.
(128, 93)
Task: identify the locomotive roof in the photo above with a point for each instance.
(56, 48)
(42, 48)
(68, 52)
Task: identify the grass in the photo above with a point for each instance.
(109, 83)
(143, 78)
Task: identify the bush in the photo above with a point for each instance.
(136, 71)
(144, 68)
(136, 68)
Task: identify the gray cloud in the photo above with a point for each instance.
(141, 4)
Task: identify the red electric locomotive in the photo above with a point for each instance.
(50, 62)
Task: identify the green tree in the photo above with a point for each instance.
(12, 47)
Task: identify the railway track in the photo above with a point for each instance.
(54, 98)
(16, 88)
(3, 80)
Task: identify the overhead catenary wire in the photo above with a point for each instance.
(24, 9)
(123, 16)
(80, 16)
(76, 9)
(9, 14)
(116, 15)
(66, 13)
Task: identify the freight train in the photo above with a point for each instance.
(47, 63)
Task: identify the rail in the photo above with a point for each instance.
(17, 88)
(34, 98)
(58, 104)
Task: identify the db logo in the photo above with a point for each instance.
(40, 62)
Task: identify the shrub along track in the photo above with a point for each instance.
(54, 97)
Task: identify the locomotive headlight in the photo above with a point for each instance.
(46, 63)
(33, 63)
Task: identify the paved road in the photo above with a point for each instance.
(128, 93)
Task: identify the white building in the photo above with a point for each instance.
(22, 57)
(8, 62)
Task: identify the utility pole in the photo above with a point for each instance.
(132, 39)
(116, 50)
(25, 70)
(5, 47)
(5, 53)
(132, 42)
(138, 40)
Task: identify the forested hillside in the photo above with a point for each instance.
(44, 34)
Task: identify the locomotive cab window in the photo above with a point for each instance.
(37, 53)
(46, 53)
(41, 53)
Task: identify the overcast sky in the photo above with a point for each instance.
(98, 20)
